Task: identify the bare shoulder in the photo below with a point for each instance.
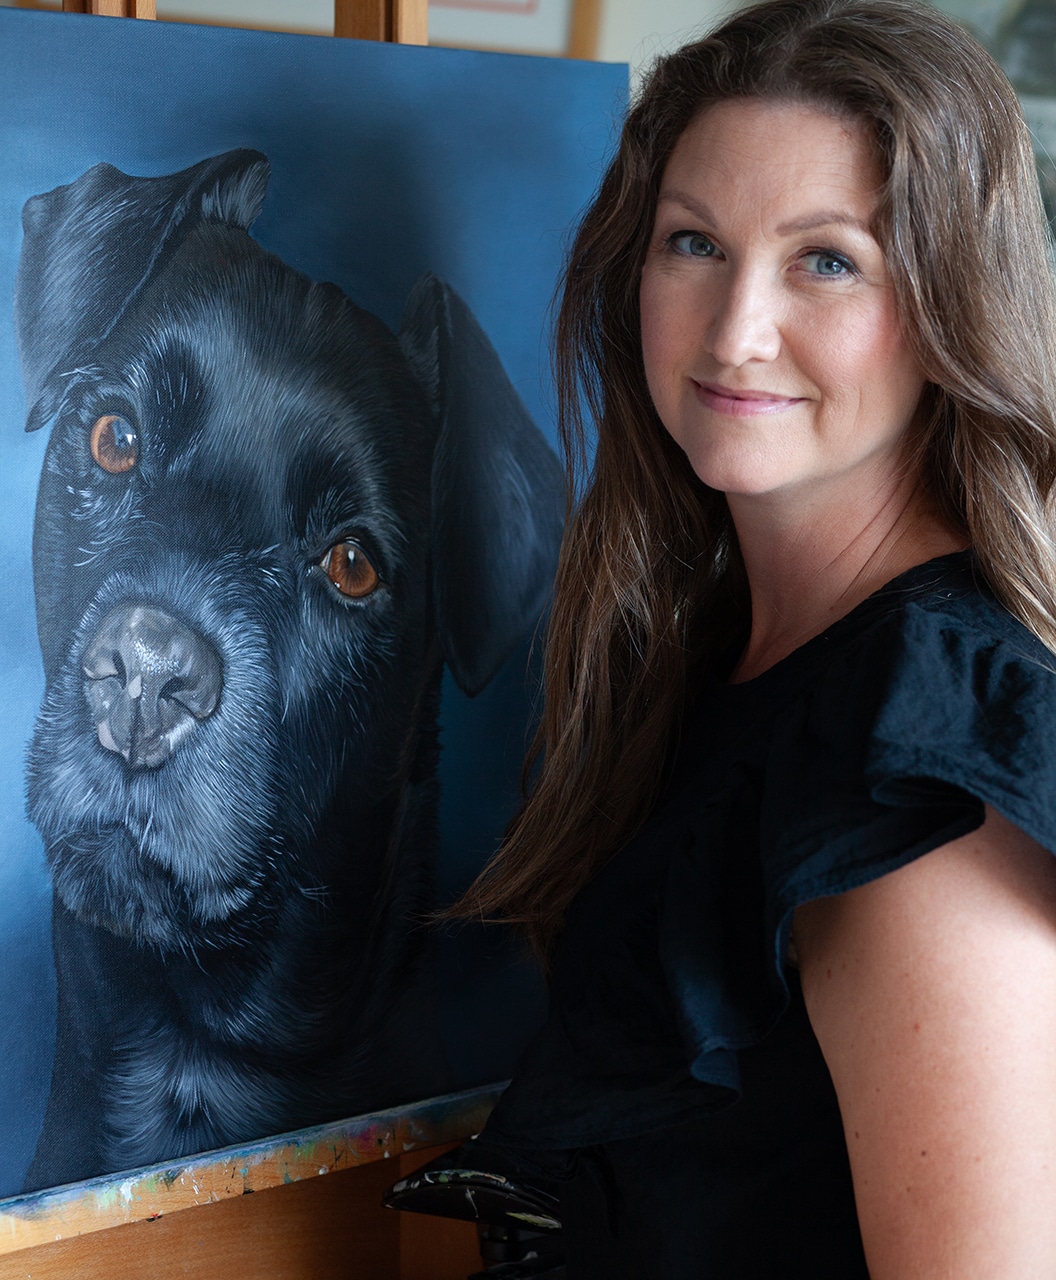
(932, 992)
(984, 879)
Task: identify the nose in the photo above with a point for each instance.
(149, 681)
(744, 322)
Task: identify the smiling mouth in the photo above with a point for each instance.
(742, 404)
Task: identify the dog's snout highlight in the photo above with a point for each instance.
(150, 679)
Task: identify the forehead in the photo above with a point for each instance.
(786, 156)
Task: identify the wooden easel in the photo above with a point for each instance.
(395, 21)
(297, 1224)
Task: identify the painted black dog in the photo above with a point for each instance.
(264, 525)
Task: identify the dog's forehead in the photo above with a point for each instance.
(288, 377)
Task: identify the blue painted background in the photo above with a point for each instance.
(386, 162)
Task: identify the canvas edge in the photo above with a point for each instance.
(62, 1213)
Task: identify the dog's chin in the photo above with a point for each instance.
(106, 881)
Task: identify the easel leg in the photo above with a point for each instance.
(113, 8)
(395, 21)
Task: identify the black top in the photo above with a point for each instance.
(677, 1061)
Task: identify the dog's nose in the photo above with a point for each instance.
(150, 680)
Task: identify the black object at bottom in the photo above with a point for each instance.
(513, 1253)
(517, 1217)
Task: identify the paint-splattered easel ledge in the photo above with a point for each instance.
(144, 1194)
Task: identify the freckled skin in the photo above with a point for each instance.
(944, 1069)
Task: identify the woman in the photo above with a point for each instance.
(804, 622)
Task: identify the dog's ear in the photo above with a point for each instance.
(498, 491)
(90, 246)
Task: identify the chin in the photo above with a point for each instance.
(737, 473)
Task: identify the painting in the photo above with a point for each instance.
(275, 543)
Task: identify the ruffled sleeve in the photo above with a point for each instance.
(892, 750)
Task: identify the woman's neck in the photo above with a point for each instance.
(808, 566)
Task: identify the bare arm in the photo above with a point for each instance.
(932, 992)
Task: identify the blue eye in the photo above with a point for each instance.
(829, 264)
(693, 244)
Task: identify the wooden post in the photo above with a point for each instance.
(586, 24)
(395, 21)
(113, 8)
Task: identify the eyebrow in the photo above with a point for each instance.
(810, 222)
(825, 218)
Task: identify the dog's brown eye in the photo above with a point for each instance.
(114, 443)
(348, 568)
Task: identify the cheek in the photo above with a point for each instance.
(660, 333)
(864, 358)
(891, 374)
(649, 317)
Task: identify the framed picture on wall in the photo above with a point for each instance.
(562, 28)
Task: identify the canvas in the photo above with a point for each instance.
(275, 542)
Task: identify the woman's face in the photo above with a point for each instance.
(770, 331)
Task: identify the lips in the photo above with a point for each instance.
(742, 403)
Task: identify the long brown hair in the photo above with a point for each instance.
(650, 580)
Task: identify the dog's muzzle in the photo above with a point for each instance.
(149, 681)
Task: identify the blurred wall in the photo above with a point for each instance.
(637, 31)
